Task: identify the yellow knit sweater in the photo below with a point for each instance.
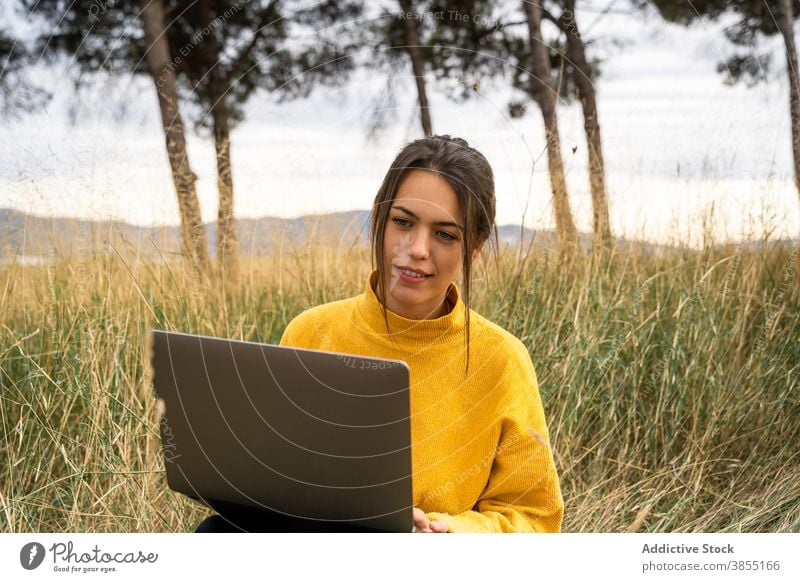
(481, 454)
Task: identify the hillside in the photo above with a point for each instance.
(35, 239)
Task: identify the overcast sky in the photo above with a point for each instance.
(677, 142)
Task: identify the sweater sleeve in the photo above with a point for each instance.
(523, 493)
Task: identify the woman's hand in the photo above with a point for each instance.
(424, 525)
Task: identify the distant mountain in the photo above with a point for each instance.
(35, 239)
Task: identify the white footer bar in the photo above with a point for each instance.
(388, 557)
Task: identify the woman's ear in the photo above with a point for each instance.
(476, 252)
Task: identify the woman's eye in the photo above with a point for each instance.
(441, 233)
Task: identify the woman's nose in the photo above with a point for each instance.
(420, 245)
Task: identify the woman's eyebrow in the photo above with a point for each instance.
(438, 223)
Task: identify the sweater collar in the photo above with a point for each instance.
(445, 328)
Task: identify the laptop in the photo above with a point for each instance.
(305, 433)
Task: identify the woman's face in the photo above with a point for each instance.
(424, 232)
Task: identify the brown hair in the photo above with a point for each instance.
(469, 174)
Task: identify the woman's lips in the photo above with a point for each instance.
(409, 278)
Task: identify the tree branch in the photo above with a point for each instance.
(559, 22)
(262, 23)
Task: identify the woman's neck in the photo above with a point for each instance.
(444, 307)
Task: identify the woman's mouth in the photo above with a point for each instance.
(411, 276)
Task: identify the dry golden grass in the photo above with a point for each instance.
(671, 384)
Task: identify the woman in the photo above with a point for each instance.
(481, 455)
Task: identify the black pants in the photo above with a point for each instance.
(237, 519)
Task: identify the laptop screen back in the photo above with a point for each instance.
(308, 433)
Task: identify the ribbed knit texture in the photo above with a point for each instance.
(481, 454)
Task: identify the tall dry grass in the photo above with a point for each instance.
(671, 384)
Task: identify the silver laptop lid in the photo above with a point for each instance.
(312, 434)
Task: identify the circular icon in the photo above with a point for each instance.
(31, 555)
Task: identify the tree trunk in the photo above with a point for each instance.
(584, 82)
(417, 65)
(227, 241)
(544, 93)
(161, 69)
(786, 26)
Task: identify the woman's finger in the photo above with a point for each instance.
(421, 521)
